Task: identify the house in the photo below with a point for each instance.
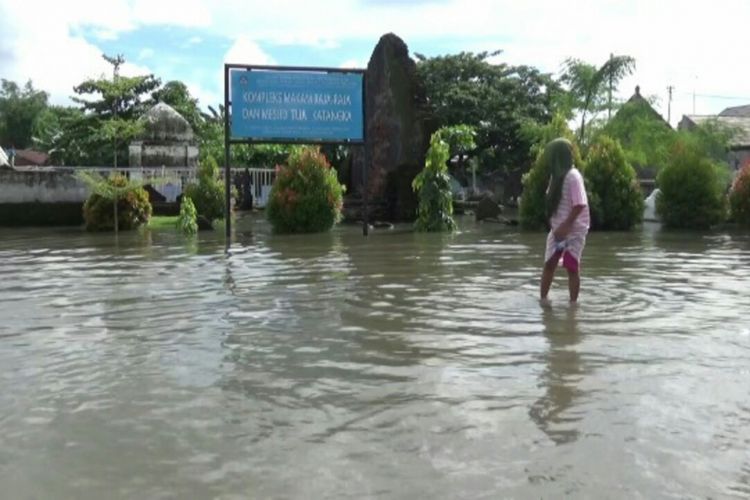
(29, 158)
(640, 130)
(736, 118)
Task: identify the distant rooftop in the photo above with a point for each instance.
(740, 123)
(738, 111)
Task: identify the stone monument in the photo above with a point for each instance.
(167, 141)
(398, 131)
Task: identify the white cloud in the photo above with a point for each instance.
(246, 51)
(353, 64)
(700, 46)
(146, 53)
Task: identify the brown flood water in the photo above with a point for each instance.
(398, 366)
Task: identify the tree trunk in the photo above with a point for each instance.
(116, 221)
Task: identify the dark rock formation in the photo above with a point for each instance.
(398, 130)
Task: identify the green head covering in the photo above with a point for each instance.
(558, 157)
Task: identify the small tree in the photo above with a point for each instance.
(432, 184)
(691, 190)
(739, 196)
(615, 198)
(208, 193)
(187, 222)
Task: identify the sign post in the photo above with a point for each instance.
(283, 104)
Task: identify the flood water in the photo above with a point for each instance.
(398, 366)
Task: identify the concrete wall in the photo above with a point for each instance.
(40, 186)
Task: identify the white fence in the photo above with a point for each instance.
(261, 179)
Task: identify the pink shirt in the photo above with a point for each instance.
(573, 194)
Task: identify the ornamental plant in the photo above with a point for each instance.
(739, 196)
(115, 203)
(208, 193)
(306, 196)
(616, 201)
(187, 222)
(691, 190)
(432, 184)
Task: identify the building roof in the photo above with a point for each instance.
(30, 157)
(740, 111)
(165, 125)
(740, 124)
(637, 100)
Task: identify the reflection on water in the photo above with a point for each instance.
(395, 366)
(561, 376)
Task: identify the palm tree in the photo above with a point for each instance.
(589, 84)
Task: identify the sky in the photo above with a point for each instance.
(699, 48)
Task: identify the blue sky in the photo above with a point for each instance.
(698, 47)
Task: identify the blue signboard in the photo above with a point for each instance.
(296, 106)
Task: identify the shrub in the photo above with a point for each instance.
(208, 193)
(433, 186)
(691, 190)
(739, 196)
(133, 207)
(306, 196)
(616, 199)
(533, 208)
(187, 222)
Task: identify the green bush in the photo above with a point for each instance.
(432, 185)
(306, 196)
(533, 207)
(616, 201)
(739, 196)
(691, 190)
(187, 222)
(208, 193)
(133, 207)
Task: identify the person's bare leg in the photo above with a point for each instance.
(547, 274)
(574, 285)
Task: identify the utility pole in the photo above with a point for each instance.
(669, 104)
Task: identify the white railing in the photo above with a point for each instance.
(261, 179)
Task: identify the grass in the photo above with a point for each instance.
(163, 222)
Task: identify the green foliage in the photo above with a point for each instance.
(645, 137)
(133, 207)
(494, 98)
(533, 206)
(590, 86)
(739, 196)
(306, 196)
(187, 222)
(110, 121)
(176, 94)
(20, 108)
(208, 193)
(615, 199)
(432, 184)
(691, 189)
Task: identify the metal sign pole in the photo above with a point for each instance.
(227, 175)
(366, 167)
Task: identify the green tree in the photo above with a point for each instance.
(177, 95)
(615, 198)
(496, 100)
(645, 137)
(532, 208)
(432, 184)
(692, 191)
(592, 87)
(113, 115)
(20, 108)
